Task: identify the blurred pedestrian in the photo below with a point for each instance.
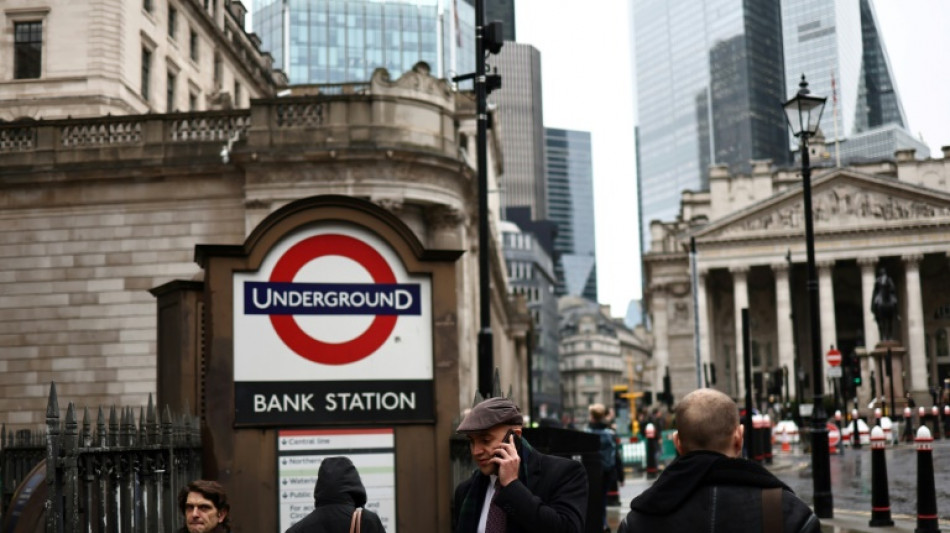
(597, 424)
(338, 501)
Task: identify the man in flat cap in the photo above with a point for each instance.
(516, 488)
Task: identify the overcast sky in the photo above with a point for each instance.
(586, 67)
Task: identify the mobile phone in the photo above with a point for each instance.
(509, 437)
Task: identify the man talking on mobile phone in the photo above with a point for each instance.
(516, 488)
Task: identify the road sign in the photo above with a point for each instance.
(833, 357)
(834, 372)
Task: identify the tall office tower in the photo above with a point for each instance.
(334, 41)
(503, 10)
(571, 207)
(837, 45)
(522, 128)
(710, 83)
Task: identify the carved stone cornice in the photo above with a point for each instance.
(825, 264)
(443, 217)
(779, 266)
(912, 259)
(868, 262)
(393, 205)
(739, 269)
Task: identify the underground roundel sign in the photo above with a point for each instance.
(331, 326)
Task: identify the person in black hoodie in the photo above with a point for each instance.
(338, 494)
(709, 488)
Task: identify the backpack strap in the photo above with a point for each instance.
(772, 519)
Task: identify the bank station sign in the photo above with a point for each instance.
(332, 329)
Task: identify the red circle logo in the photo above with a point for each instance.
(327, 352)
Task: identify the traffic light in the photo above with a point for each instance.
(493, 37)
(667, 395)
(855, 371)
(620, 401)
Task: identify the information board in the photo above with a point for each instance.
(300, 452)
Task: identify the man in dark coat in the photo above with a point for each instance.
(338, 494)
(709, 488)
(516, 488)
(204, 505)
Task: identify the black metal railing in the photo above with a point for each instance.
(116, 474)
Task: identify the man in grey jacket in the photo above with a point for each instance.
(709, 488)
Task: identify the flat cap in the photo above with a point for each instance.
(489, 413)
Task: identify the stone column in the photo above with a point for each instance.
(702, 312)
(916, 347)
(871, 338)
(826, 305)
(661, 341)
(740, 298)
(783, 319)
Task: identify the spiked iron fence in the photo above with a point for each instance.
(118, 475)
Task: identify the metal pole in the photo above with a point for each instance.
(821, 467)
(747, 379)
(485, 355)
(695, 282)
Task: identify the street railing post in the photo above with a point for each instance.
(650, 431)
(926, 489)
(880, 497)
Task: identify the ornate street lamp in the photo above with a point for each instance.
(803, 112)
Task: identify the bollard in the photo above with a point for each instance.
(786, 445)
(880, 498)
(908, 434)
(921, 414)
(756, 452)
(840, 433)
(877, 416)
(855, 432)
(935, 417)
(767, 437)
(651, 451)
(926, 489)
(946, 421)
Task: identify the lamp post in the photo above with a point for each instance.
(803, 113)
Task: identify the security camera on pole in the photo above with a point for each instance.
(488, 39)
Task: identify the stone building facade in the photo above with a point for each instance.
(62, 58)
(597, 353)
(750, 253)
(96, 212)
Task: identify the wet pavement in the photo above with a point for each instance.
(850, 485)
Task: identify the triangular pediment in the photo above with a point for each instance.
(842, 200)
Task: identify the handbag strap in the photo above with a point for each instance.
(356, 520)
(772, 519)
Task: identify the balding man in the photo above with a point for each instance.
(709, 487)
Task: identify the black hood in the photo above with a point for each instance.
(698, 469)
(339, 482)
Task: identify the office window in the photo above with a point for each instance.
(192, 101)
(27, 49)
(172, 21)
(170, 93)
(193, 45)
(147, 5)
(146, 71)
(237, 94)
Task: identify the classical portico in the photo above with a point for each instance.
(753, 257)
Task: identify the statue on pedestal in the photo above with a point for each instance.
(884, 304)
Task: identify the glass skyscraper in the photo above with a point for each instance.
(520, 112)
(710, 83)
(837, 45)
(571, 206)
(335, 41)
